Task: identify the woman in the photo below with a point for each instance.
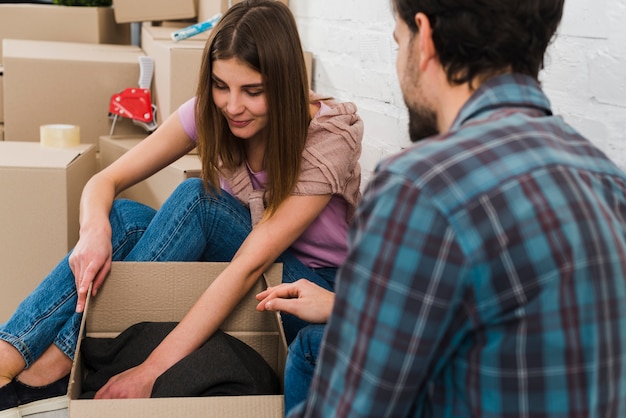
(280, 183)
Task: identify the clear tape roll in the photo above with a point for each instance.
(59, 135)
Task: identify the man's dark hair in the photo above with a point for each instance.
(475, 38)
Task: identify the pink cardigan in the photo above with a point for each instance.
(329, 166)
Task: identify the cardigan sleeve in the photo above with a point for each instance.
(330, 161)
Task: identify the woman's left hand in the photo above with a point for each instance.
(132, 383)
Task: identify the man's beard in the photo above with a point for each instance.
(422, 123)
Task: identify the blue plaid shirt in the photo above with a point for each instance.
(486, 275)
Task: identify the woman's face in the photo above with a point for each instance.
(238, 92)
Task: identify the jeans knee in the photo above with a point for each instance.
(307, 343)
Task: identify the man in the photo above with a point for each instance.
(487, 264)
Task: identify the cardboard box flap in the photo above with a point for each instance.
(164, 33)
(33, 155)
(69, 51)
(131, 298)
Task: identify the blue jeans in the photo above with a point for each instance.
(192, 225)
(300, 365)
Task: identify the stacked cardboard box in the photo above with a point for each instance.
(176, 65)
(156, 189)
(40, 189)
(153, 10)
(61, 23)
(49, 82)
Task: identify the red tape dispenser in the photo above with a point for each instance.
(135, 103)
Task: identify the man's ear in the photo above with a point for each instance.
(425, 42)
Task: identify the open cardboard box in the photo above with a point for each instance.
(152, 291)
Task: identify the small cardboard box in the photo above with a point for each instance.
(66, 83)
(40, 189)
(156, 189)
(164, 292)
(176, 66)
(49, 22)
(152, 10)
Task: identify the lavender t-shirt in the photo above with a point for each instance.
(324, 243)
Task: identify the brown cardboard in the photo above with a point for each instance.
(151, 10)
(40, 189)
(49, 22)
(176, 66)
(1, 94)
(156, 189)
(136, 292)
(66, 83)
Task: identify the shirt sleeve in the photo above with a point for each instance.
(187, 116)
(395, 301)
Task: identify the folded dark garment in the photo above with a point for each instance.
(223, 366)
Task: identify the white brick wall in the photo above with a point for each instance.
(354, 59)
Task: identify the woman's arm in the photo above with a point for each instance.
(268, 239)
(91, 258)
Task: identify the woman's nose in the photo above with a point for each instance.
(234, 105)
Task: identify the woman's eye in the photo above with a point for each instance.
(219, 86)
(255, 93)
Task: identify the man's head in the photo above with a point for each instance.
(471, 41)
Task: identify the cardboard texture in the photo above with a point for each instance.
(176, 66)
(156, 189)
(1, 94)
(150, 10)
(66, 83)
(40, 189)
(49, 22)
(136, 292)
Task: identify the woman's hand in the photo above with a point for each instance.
(304, 299)
(90, 261)
(132, 383)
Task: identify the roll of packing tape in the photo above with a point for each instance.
(59, 135)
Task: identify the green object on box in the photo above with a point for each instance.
(90, 3)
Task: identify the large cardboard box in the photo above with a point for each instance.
(156, 189)
(176, 66)
(152, 10)
(164, 292)
(40, 189)
(66, 83)
(49, 22)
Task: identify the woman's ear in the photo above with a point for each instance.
(425, 42)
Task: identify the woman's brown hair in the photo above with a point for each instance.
(264, 35)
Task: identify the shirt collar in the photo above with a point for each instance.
(504, 91)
